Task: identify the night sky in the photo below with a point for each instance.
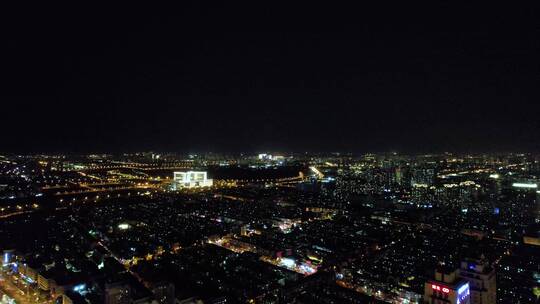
(266, 76)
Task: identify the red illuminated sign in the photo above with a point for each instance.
(439, 288)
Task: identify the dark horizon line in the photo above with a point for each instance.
(272, 151)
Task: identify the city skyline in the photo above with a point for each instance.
(269, 228)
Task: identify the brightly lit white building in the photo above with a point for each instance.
(191, 179)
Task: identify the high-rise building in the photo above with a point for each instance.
(447, 288)
(482, 281)
(423, 176)
(398, 175)
(518, 274)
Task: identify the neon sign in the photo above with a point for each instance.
(463, 293)
(439, 288)
(463, 288)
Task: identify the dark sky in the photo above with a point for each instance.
(237, 77)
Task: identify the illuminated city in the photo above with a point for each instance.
(369, 227)
(267, 153)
